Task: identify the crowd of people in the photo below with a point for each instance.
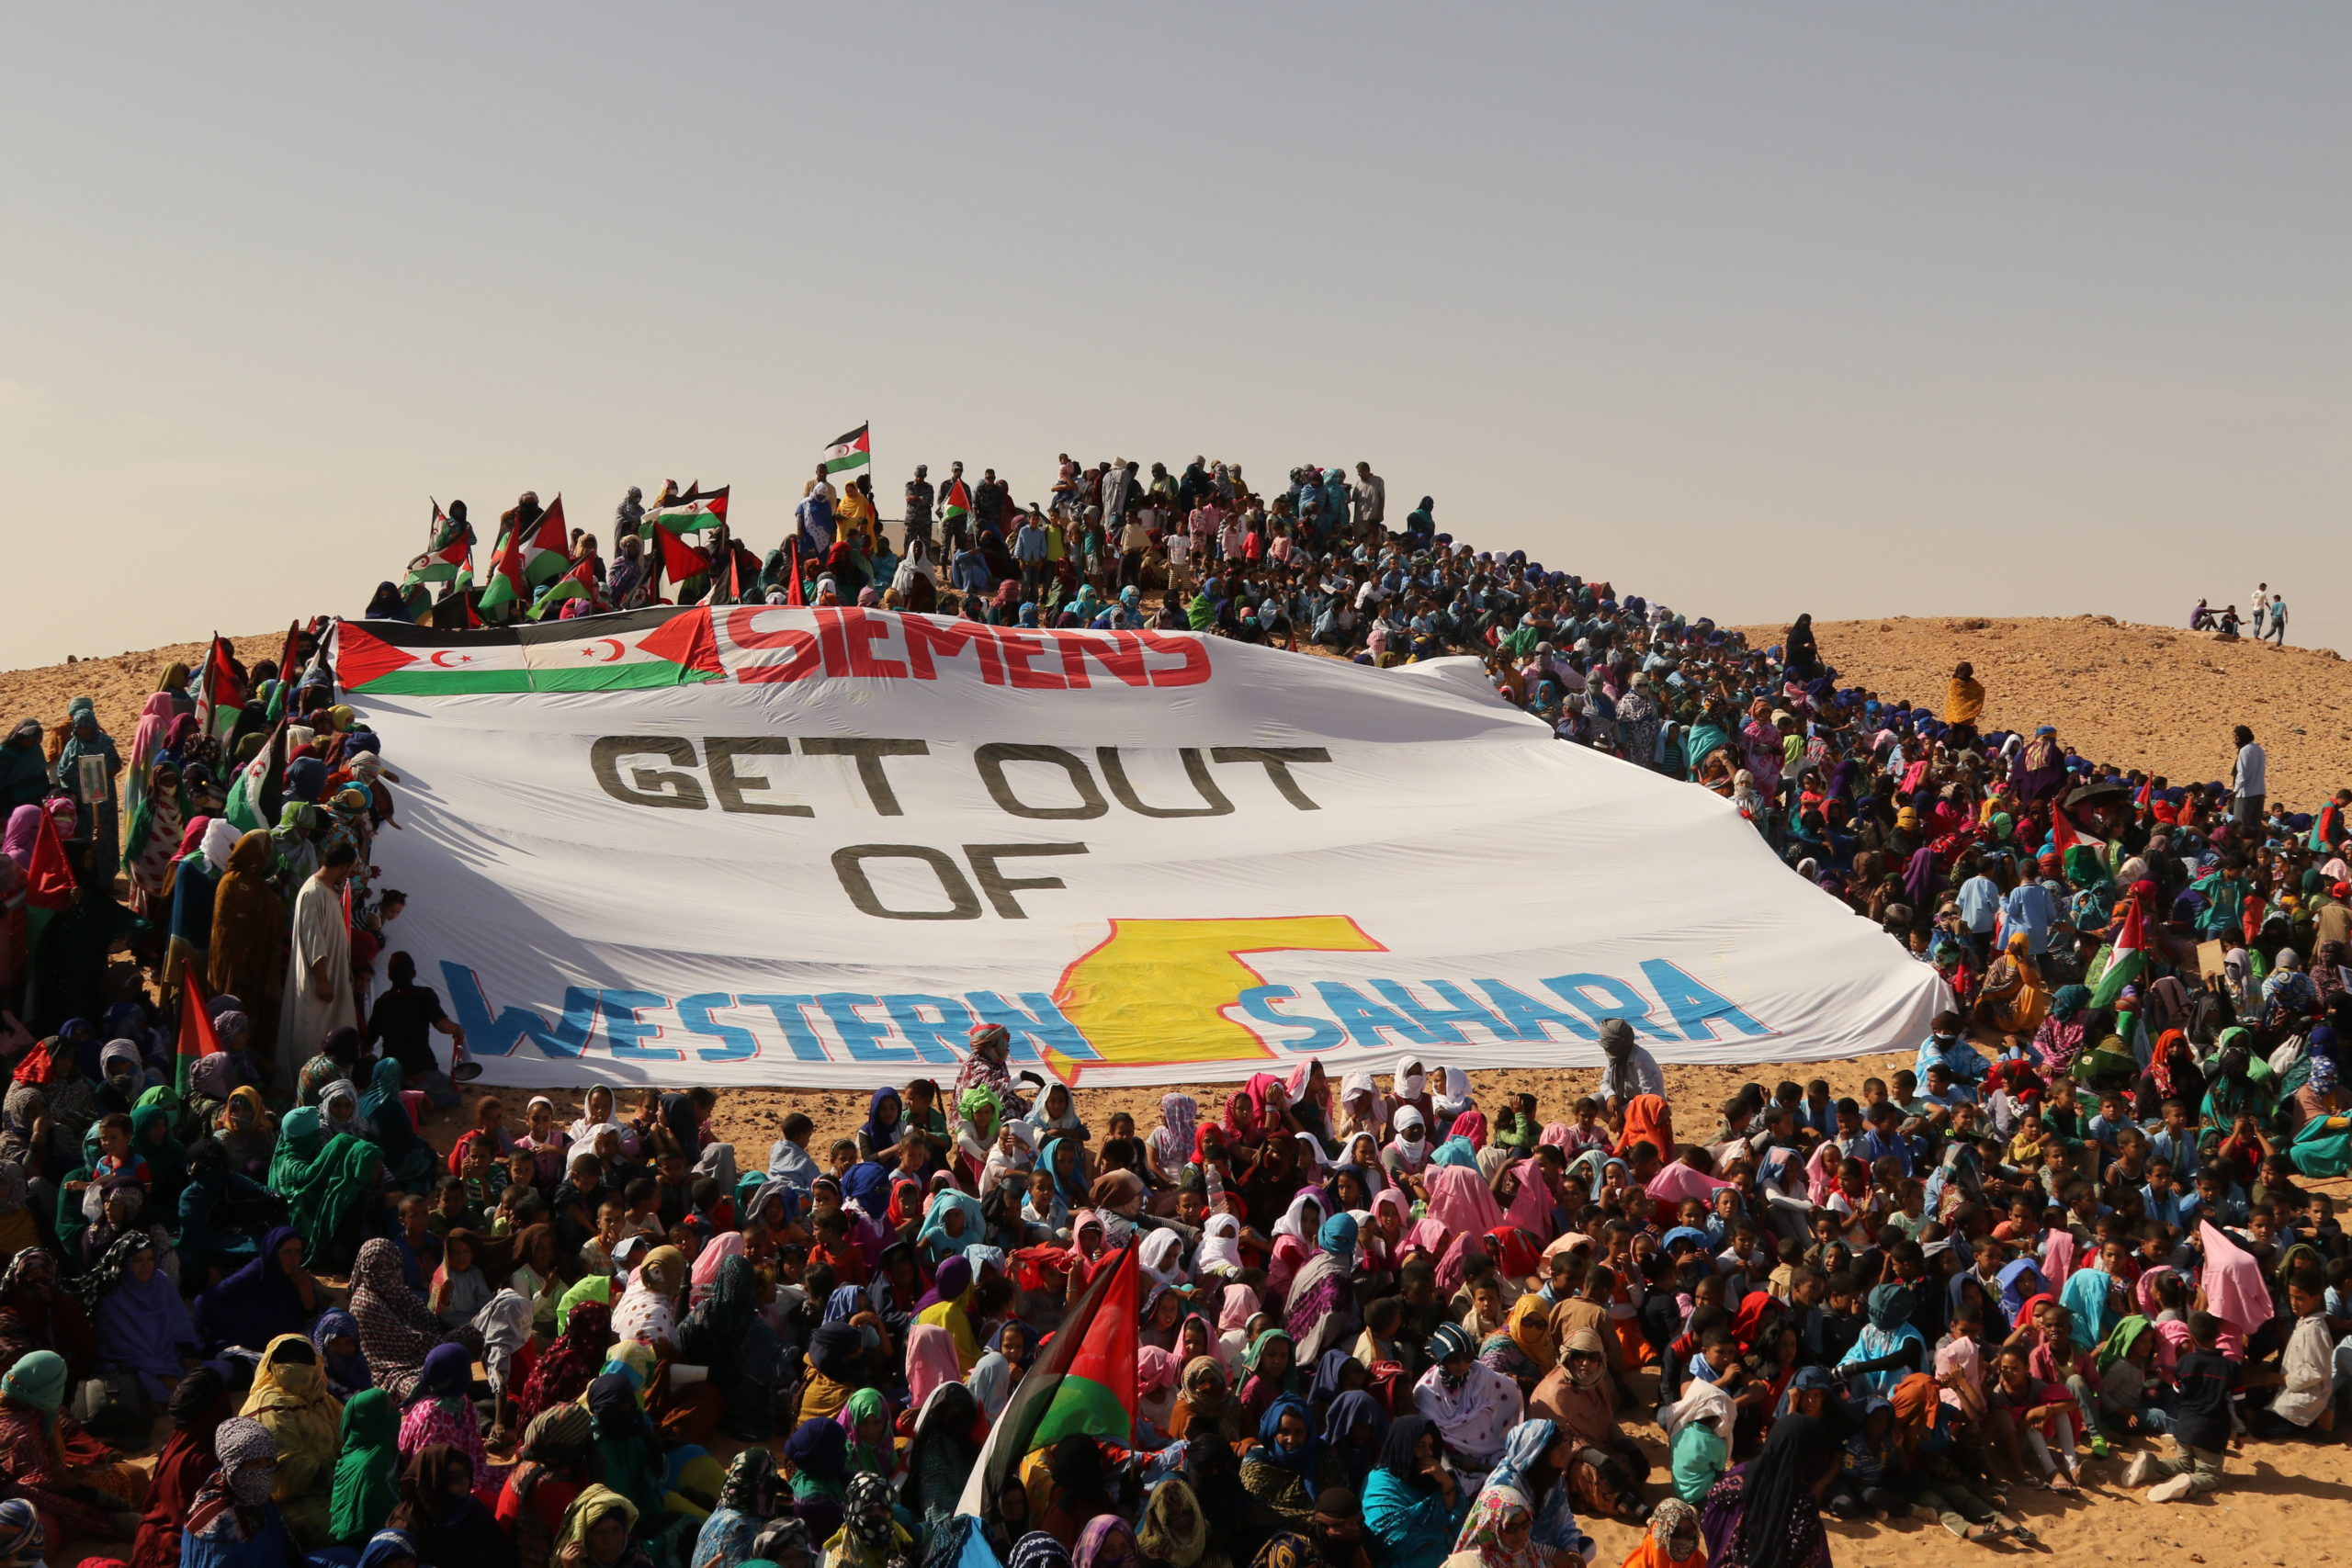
(1382, 1325)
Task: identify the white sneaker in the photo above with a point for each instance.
(2143, 1466)
(2171, 1491)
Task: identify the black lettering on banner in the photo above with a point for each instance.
(648, 786)
(1277, 761)
(1114, 773)
(721, 751)
(869, 755)
(849, 865)
(999, 888)
(991, 759)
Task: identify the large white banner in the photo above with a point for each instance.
(756, 845)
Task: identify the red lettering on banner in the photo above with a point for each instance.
(799, 644)
(1118, 652)
(830, 638)
(949, 638)
(857, 642)
(861, 631)
(1018, 648)
(1192, 650)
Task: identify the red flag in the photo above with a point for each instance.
(680, 560)
(220, 690)
(197, 1039)
(49, 881)
(734, 575)
(793, 595)
(2063, 836)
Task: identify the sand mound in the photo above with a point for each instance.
(2153, 697)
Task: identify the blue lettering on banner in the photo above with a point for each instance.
(806, 1046)
(1043, 1023)
(487, 1036)
(860, 1034)
(1363, 1019)
(1524, 1018)
(935, 1039)
(1624, 1001)
(934, 1030)
(1259, 1002)
(694, 1013)
(1695, 1008)
(627, 1032)
(1440, 1020)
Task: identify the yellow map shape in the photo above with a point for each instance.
(1153, 992)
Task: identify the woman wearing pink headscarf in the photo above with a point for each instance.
(724, 1245)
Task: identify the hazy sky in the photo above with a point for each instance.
(1858, 309)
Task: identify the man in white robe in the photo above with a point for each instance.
(319, 997)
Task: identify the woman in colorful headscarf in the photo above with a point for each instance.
(602, 1522)
(46, 1458)
(1320, 1310)
(1107, 1541)
(625, 1442)
(246, 956)
(324, 1180)
(1767, 1512)
(752, 1495)
(1605, 1468)
(1413, 1505)
(158, 826)
(408, 1159)
(1286, 1467)
(441, 1411)
(552, 1471)
(2013, 998)
(1671, 1539)
(198, 1407)
(1500, 1533)
(290, 1400)
(366, 1471)
(1173, 1530)
(38, 1313)
(397, 1331)
(948, 1429)
(142, 1322)
(439, 1508)
(100, 821)
(1474, 1406)
(869, 1536)
(648, 1309)
(232, 1523)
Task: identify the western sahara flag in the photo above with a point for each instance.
(601, 653)
(2124, 960)
(958, 502)
(850, 451)
(1085, 1382)
(248, 804)
(449, 555)
(219, 692)
(691, 513)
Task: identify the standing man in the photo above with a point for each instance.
(919, 499)
(1029, 549)
(2247, 780)
(1370, 499)
(991, 501)
(956, 527)
(318, 998)
(2261, 603)
(1118, 489)
(2277, 633)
